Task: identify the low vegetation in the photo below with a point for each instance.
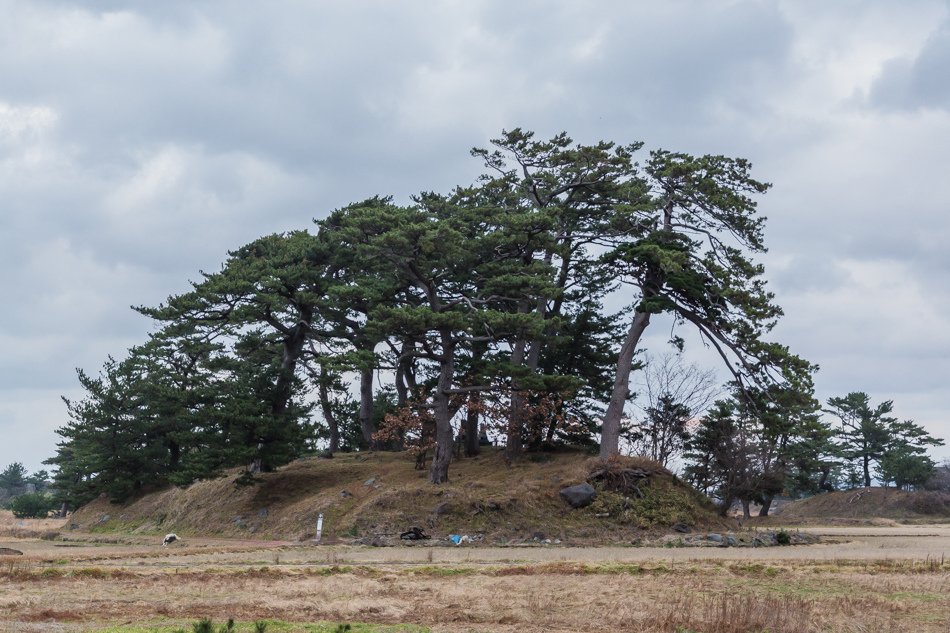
(872, 504)
(366, 496)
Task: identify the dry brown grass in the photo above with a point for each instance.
(29, 528)
(872, 504)
(481, 589)
(486, 495)
(554, 597)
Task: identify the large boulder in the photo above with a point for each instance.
(579, 496)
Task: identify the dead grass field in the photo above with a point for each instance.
(892, 579)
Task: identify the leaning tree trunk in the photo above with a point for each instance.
(444, 442)
(366, 406)
(610, 432)
(328, 415)
(766, 505)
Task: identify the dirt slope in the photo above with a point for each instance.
(369, 495)
(872, 503)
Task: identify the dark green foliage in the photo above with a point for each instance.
(32, 505)
(687, 251)
(783, 538)
(870, 435)
(13, 477)
(489, 296)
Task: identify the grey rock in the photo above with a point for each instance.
(715, 538)
(370, 481)
(346, 494)
(682, 528)
(579, 496)
(443, 508)
(262, 513)
(731, 541)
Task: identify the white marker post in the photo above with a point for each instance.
(319, 527)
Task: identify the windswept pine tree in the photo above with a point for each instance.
(689, 254)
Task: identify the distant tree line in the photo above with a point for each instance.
(485, 306)
(26, 494)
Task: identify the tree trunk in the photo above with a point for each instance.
(724, 505)
(746, 514)
(444, 442)
(823, 480)
(867, 472)
(471, 425)
(534, 359)
(516, 412)
(366, 406)
(402, 391)
(293, 347)
(328, 414)
(174, 455)
(610, 432)
(766, 505)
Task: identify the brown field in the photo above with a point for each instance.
(871, 579)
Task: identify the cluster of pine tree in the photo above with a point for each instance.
(485, 304)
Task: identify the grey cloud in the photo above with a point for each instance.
(920, 82)
(183, 129)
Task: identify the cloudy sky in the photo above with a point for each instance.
(139, 141)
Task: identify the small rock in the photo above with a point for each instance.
(715, 538)
(579, 496)
(681, 528)
(346, 494)
(443, 508)
(370, 481)
(731, 541)
(538, 536)
(262, 512)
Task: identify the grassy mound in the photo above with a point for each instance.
(366, 495)
(872, 503)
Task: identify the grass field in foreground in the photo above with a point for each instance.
(700, 596)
